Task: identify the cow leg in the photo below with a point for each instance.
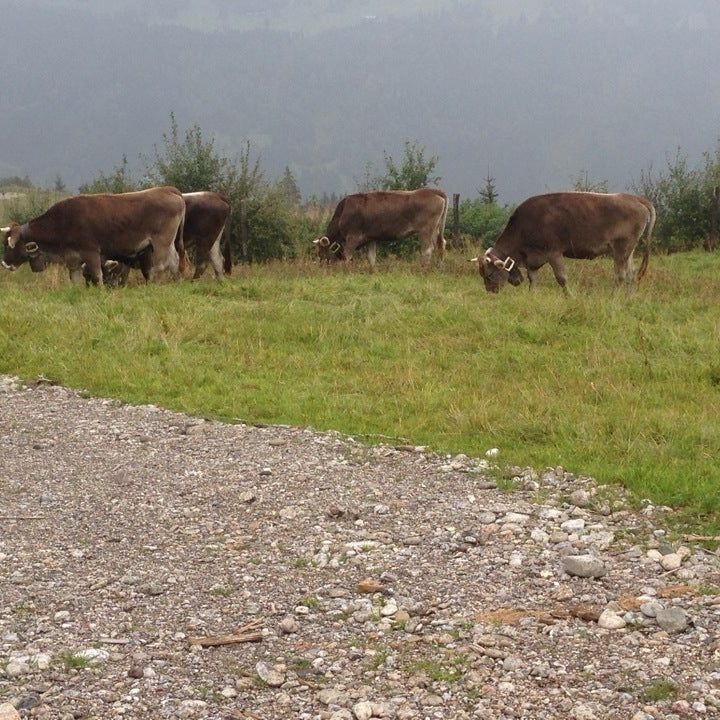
(532, 278)
(216, 258)
(558, 266)
(76, 273)
(624, 270)
(372, 254)
(93, 270)
(164, 258)
(426, 246)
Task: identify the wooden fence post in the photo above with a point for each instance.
(456, 219)
(713, 239)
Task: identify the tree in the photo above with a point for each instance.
(414, 172)
(488, 193)
(289, 187)
(59, 185)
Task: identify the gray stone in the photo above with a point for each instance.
(585, 566)
(672, 620)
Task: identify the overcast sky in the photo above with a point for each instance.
(537, 92)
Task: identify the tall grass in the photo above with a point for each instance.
(623, 386)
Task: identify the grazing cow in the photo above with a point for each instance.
(364, 219)
(206, 216)
(90, 229)
(582, 225)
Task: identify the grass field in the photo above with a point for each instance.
(622, 386)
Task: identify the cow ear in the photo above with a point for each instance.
(498, 263)
(110, 264)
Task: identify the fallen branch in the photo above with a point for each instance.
(247, 633)
(700, 538)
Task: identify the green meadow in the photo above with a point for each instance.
(623, 386)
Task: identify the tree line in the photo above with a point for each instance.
(269, 219)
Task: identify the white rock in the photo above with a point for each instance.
(573, 525)
(492, 452)
(16, 669)
(363, 710)
(610, 620)
(655, 555)
(192, 708)
(8, 712)
(41, 661)
(582, 712)
(671, 562)
(539, 536)
(95, 655)
(390, 608)
(516, 518)
(269, 675)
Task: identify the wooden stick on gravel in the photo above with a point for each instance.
(247, 633)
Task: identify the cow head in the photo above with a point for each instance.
(113, 273)
(496, 271)
(327, 251)
(17, 251)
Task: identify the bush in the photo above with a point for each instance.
(682, 196)
(482, 221)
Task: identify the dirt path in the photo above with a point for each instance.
(126, 532)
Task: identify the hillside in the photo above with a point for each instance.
(535, 96)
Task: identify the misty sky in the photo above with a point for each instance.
(536, 92)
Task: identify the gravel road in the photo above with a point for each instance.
(354, 582)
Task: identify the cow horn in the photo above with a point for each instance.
(6, 266)
(475, 259)
(5, 229)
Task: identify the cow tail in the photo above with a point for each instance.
(648, 238)
(440, 241)
(227, 254)
(180, 245)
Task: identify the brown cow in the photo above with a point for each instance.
(87, 229)
(546, 228)
(364, 219)
(206, 216)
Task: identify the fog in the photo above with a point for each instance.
(534, 92)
